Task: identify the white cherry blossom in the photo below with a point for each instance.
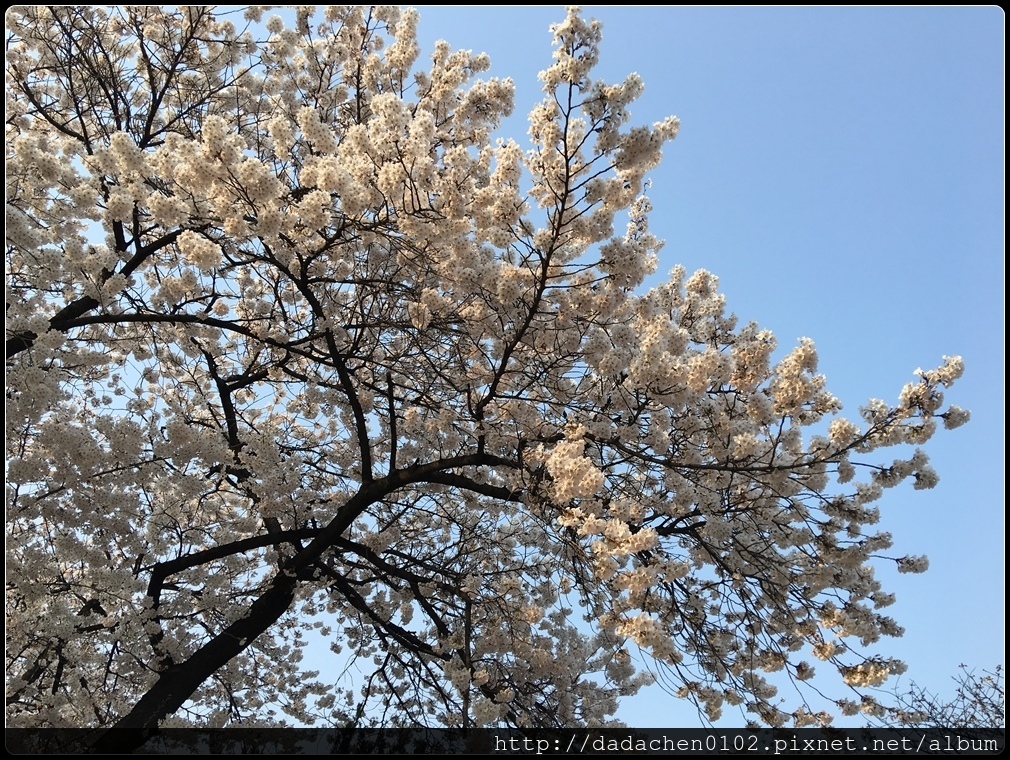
(294, 349)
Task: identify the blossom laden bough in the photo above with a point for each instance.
(295, 350)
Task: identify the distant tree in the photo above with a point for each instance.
(979, 703)
(294, 350)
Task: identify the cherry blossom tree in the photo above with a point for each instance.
(297, 352)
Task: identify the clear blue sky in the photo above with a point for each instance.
(842, 171)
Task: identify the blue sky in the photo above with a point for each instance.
(842, 171)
